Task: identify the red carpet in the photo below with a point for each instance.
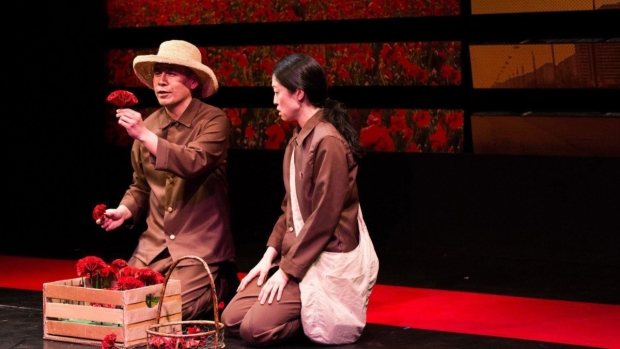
(574, 323)
(31, 273)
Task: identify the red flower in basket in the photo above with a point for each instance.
(150, 276)
(108, 341)
(200, 340)
(193, 330)
(129, 271)
(128, 283)
(161, 342)
(98, 213)
(98, 272)
(122, 98)
(119, 263)
(89, 266)
(111, 306)
(108, 271)
(192, 343)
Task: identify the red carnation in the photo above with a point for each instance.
(150, 276)
(108, 270)
(98, 213)
(119, 263)
(128, 283)
(89, 266)
(129, 271)
(108, 341)
(193, 329)
(122, 98)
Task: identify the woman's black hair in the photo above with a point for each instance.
(300, 71)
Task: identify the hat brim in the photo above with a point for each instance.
(143, 67)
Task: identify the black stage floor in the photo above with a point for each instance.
(21, 313)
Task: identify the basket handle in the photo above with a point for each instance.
(213, 293)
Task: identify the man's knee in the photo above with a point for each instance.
(192, 310)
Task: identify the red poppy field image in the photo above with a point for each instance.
(147, 13)
(381, 130)
(430, 63)
(436, 63)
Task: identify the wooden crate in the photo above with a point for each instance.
(69, 316)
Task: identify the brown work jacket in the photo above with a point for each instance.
(183, 190)
(326, 188)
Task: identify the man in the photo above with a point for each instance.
(179, 181)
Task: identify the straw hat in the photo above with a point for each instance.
(181, 53)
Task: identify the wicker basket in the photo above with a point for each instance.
(194, 334)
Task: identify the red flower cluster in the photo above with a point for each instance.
(146, 276)
(98, 213)
(116, 275)
(122, 98)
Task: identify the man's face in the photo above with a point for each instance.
(173, 84)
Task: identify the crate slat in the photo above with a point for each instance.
(77, 330)
(81, 312)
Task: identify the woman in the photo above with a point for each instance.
(323, 155)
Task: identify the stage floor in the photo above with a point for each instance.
(21, 326)
(468, 305)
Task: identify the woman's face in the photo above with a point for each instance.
(287, 103)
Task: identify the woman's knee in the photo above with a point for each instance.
(253, 334)
(232, 320)
(258, 333)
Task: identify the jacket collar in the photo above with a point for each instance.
(186, 118)
(302, 133)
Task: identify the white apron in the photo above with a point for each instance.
(336, 289)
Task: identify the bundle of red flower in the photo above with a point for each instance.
(116, 275)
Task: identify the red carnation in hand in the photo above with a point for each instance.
(108, 341)
(122, 98)
(98, 213)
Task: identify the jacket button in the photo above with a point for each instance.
(172, 237)
(291, 229)
(169, 209)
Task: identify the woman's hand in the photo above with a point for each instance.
(274, 287)
(261, 269)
